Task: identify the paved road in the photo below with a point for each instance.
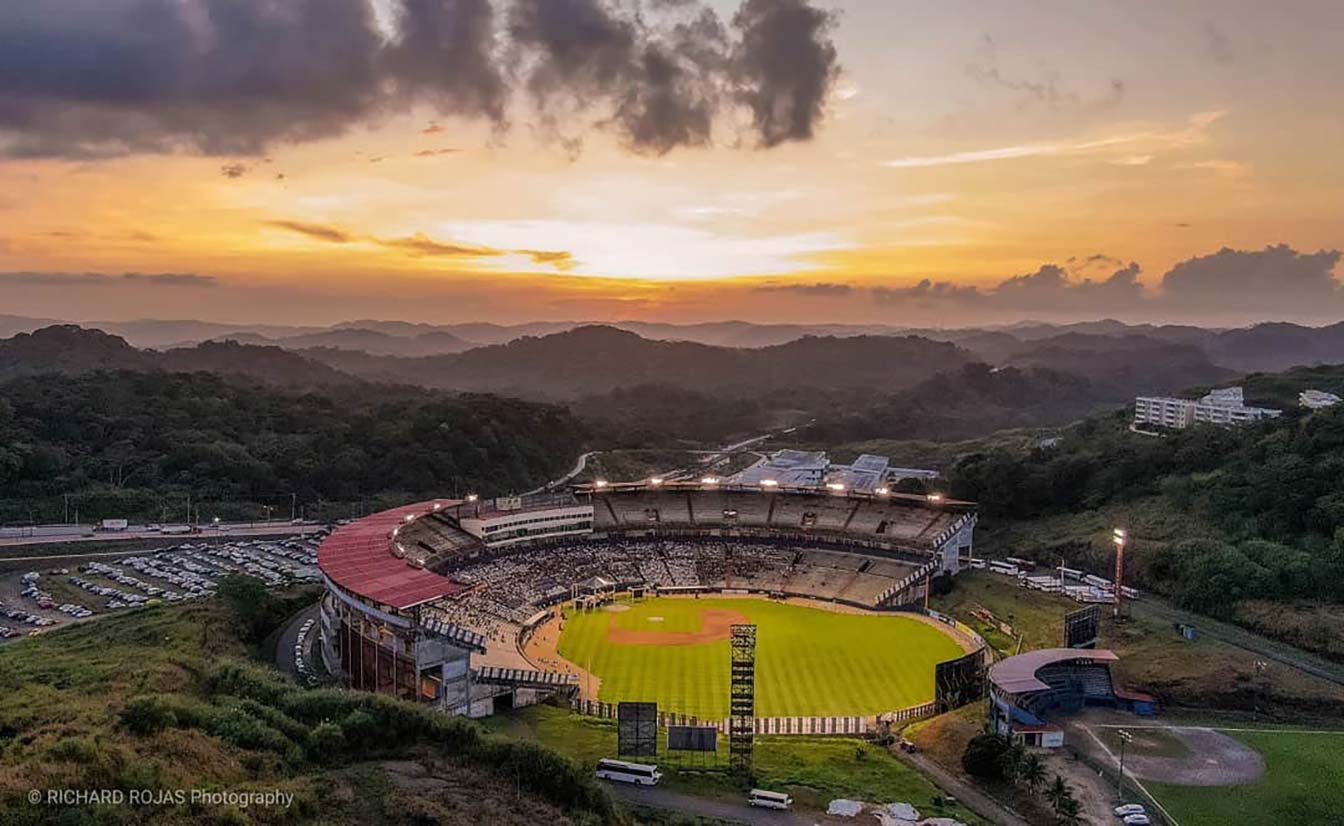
(284, 648)
(51, 534)
(966, 794)
(731, 811)
(1278, 652)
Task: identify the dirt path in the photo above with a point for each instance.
(543, 652)
(715, 624)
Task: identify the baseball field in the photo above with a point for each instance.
(809, 661)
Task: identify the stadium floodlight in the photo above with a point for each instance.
(769, 483)
(656, 481)
(883, 491)
(437, 505)
(835, 486)
(408, 517)
(934, 497)
(1118, 536)
(710, 480)
(600, 483)
(471, 497)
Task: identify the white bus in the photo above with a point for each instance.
(769, 800)
(638, 773)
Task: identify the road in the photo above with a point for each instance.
(579, 465)
(47, 534)
(284, 648)
(1278, 652)
(732, 811)
(966, 794)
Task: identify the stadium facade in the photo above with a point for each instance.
(1029, 691)
(434, 602)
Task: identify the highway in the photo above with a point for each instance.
(46, 534)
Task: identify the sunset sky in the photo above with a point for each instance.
(958, 144)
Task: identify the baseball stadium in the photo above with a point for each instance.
(629, 592)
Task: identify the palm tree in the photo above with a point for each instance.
(1032, 771)
(1070, 810)
(1058, 792)
(1011, 761)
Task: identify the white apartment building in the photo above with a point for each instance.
(1225, 406)
(1317, 399)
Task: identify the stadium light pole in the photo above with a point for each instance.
(1125, 737)
(1119, 537)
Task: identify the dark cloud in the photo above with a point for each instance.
(925, 293)
(784, 66)
(820, 289)
(102, 78)
(68, 279)
(1277, 279)
(660, 87)
(1276, 282)
(233, 170)
(321, 232)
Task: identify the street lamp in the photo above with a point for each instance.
(1125, 737)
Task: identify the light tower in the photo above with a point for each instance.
(1119, 537)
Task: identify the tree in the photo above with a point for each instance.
(1032, 772)
(983, 756)
(1057, 793)
(1012, 759)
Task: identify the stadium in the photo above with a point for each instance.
(608, 593)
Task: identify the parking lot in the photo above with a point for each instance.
(46, 597)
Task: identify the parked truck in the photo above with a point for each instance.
(113, 525)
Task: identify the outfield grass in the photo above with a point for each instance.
(809, 662)
(1303, 784)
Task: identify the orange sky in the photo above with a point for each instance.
(960, 144)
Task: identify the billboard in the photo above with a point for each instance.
(1082, 628)
(958, 682)
(692, 738)
(637, 729)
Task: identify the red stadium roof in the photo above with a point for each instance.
(1017, 675)
(358, 557)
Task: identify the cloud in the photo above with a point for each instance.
(1245, 285)
(1232, 170)
(433, 153)
(560, 259)
(68, 279)
(172, 279)
(1048, 89)
(320, 232)
(233, 170)
(421, 245)
(1193, 133)
(90, 79)
(785, 65)
(818, 290)
(1277, 279)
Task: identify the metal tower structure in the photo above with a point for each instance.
(742, 698)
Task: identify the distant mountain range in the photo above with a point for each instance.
(961, 382)
(71, 349)
(1265, 347)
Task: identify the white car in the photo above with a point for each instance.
(1129, 809)
(1136, 820)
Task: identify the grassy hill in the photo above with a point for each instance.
(166, 698)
